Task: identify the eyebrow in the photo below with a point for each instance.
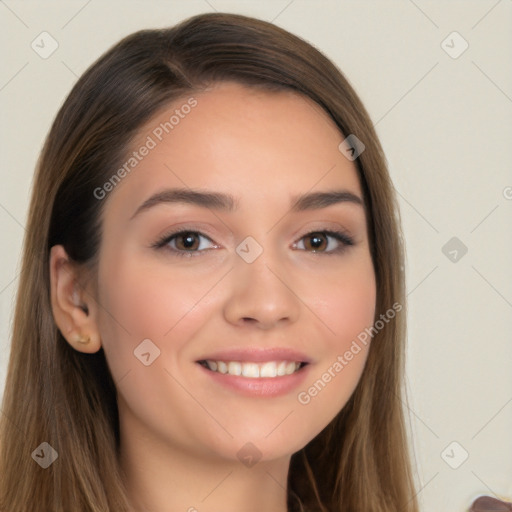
(225, 202)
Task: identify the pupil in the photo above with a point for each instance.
(188, 240)
(317, 241)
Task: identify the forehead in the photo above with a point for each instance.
(255, 144)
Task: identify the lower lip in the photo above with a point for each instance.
(262, 386)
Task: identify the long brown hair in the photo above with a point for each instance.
(55, 394)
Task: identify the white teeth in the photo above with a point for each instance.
(234, 368)
(212, 365)
(251, 370)
(222, 367)
(268, 369)
(281, 368)
(254, 370)
(290, 368)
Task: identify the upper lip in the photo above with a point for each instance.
(257, 355)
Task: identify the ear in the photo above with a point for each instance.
(74, 306)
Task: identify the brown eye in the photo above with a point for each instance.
(321, 242)
(187, 241)
(315, 241)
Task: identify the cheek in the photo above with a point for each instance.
(345, 301)
(143, 300)
(148, 300)
(346, 307)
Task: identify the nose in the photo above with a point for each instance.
(262, 294)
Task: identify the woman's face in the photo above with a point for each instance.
(254, 279)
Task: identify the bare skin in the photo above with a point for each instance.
(182, 429)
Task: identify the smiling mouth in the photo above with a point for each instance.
(253, 370)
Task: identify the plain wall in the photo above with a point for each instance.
(445, 121)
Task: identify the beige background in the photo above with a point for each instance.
(446, 126)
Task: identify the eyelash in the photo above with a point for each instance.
(341, 237)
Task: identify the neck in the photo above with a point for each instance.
(162, 477)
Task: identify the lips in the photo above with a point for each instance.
(257, 371)
(255, 362)
(257, 355)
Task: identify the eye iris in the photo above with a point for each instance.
(189, 241)
(317, 240)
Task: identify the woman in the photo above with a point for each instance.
(211, 309)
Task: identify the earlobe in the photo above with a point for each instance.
(73, 308)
